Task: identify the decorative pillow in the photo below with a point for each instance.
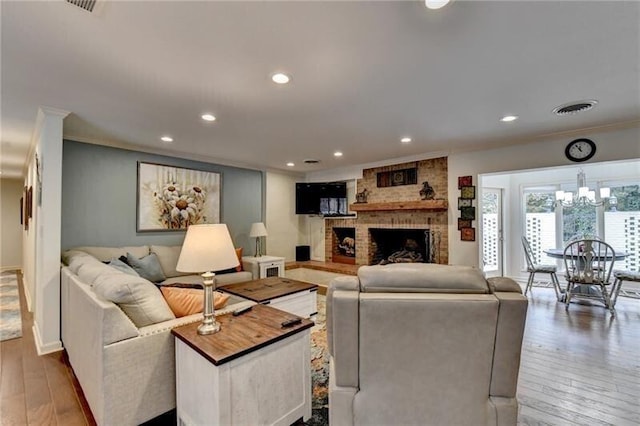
(139, 299)
(187, 301)
(168, 257)
(122, 266)
(148, 267)
(239, 254)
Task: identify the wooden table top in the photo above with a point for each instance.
(265, 289)
(240, 335)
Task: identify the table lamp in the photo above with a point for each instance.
(207, 248)
(258, 230)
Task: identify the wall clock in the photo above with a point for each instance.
(580, 150)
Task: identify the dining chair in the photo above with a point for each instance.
(534, 268)
(620, 277)
(588, 264)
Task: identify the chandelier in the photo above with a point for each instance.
(585, 196)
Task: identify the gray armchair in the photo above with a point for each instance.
(424, 344)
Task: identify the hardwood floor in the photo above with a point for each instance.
(37, 390)
(579, 367)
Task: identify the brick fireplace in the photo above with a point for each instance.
(398, 207)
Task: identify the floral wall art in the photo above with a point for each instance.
(172, 198)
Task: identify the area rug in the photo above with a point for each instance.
(10, 316)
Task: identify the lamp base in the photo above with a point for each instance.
(209, 324)
(204, 329)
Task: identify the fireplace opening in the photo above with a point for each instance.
(400, 246)
(344, 245)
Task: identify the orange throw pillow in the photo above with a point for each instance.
(187, 301)
(239, 254)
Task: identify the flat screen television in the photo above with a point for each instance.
(324, 198)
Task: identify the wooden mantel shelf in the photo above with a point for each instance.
(433, 205)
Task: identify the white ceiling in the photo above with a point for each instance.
(364, 74)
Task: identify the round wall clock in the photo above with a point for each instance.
(580, 150)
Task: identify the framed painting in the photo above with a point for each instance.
(468, 213)
(21, 210)
(468, 192)
(468, 234)
(463, 223)
(172, 198)
(464, 202)
(464, 181)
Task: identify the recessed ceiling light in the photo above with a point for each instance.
(337, 154)
(290, 164)
(435, 4)
(280, 78)
(508, 118)
(405, 140)
(166, 139)
(208, 117)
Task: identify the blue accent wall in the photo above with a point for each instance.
(99, 197)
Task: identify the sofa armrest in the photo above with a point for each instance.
(512, 314)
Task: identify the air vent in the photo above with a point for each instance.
(87, 5)
(574, 107)
(311, 161)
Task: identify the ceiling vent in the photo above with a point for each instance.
(574, 107)
(88, 5)
(311, 161)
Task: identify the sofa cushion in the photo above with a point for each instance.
(147, 267)
(137, 297)
(421, 278)
(168, 258)
(187, 301)
(105, 254)
(123, 267)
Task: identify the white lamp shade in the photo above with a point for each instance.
(258, 230)
(559, 195)
(605, 192)
(207, 248)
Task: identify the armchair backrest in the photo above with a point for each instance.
(423, 344)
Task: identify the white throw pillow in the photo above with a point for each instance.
(138, 298)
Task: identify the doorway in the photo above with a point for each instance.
(492, 232)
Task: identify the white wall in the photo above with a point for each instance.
(42, 242)
(11, 230)
(283, 225)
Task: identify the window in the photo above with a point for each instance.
(540, 223)
(617, 222)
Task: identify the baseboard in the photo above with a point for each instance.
(27, 295)
(41, 348)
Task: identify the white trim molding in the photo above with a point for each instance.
(41, 348)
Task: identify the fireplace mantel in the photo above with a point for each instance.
(433, 205)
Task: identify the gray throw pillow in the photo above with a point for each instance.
(148, 267)
(121, 266)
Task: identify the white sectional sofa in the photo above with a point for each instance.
(116, 329)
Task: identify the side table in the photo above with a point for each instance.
(264, 266)
(253, 371)
(296, 297)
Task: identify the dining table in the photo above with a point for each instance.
(558, 253)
